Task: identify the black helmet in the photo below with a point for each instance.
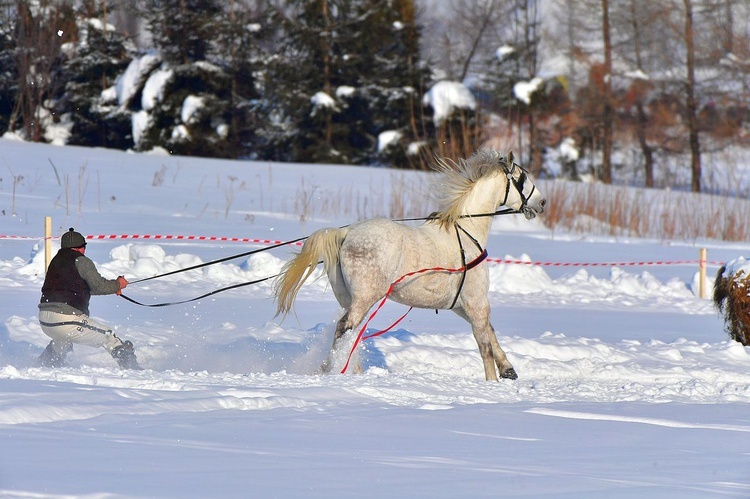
(72, 239)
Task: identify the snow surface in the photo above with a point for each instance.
(322, 100)
(190, 107)
(446, 96)
(504, 51)
(737, 266)
(523, 90)
(388, 138)
(153, 90)
(628, 385)
(127, 83)
(568, 149)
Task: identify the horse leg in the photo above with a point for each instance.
(341, 329)
(351, 318)
(503, 364)
(489, 348)
(485, 350)
(344, 297)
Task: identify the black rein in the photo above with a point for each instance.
(472, 264)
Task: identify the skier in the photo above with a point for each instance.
(64, 308)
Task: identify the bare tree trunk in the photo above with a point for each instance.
(642, 123)
(534, 157)
(691, 104)
(325, 46)
(481, 15)
(608, 113)
(39, 39)
(648, 152)
(530, 26)
(729, 36)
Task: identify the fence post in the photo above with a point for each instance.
(702, 273)
(47, 242)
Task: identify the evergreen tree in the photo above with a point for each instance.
(395, 81)
(203, 105)
(239, 35)
(84, 98)
(183, 29)
(8, 64)
(40, 28)
(349, 71)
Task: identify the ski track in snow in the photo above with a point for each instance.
(638, 420)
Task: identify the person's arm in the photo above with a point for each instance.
(97, 284)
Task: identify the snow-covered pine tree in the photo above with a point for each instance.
(40, 27)
(8, 64)
(393, 82)
(84, 100)
(349, 71)
(200, 95)
(301, 82)
(240, 32)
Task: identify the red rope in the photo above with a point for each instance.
(361, 336)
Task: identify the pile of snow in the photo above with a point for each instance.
(737, 266)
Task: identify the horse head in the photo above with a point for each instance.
(521, 193)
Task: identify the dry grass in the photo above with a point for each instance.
(651, 213)
(583, 208)
(408, 196)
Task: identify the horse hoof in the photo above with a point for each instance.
(509, 374)
(326, 367)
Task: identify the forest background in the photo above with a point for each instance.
(579, 89)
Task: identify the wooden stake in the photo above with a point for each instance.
(702, 273)
(47, 242)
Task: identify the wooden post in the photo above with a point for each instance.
(47, 242)
(702, 273)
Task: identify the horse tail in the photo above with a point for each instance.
(322, 245)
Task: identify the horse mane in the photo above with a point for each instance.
(458, 180)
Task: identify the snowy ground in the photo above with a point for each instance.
(628, 386)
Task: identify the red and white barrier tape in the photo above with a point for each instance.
(21, 238)
(602, 264)
(169, 237)
(161, 237)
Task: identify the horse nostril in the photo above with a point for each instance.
(543, 203)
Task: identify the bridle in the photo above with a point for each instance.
(518, 184)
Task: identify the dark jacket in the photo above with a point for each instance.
(70, 281)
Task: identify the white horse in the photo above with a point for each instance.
(364, 259)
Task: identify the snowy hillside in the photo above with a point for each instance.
(628, 385)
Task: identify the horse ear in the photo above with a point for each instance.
(510, 158)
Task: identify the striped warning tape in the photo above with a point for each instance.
(170, 237)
